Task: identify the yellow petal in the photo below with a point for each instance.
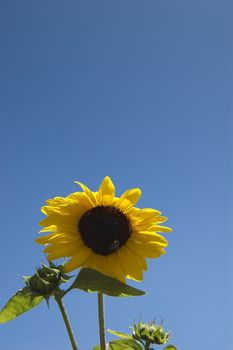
(115, 268)
(82, 200)
(106, 191)
(48, 210)
(42, 240)
(108, 265)
(65, 238)
(150, 250)
(147, 213)
(55, 219)
(143, 262)
(52, 237)
(97, 262)
(129, 199)
(149, 226)
(59, 251)
(131, 266)
(158, 228)
(51, 228)
(148, 237)
(140, 259)
(89, 193)
(78, 259)
(55, 201)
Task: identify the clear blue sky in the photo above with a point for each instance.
(140, 91)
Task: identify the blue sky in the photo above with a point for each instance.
(140, 91)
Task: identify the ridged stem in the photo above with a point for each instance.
(147, 345)
(101, 321)
(66, 321)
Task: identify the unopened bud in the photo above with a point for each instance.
(150, 332)
(46, 279)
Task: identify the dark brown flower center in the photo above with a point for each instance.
(104, 229)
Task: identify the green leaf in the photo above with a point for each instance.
(97, 347)
(93, 281)
(170, 347)
(120, 334)
(22, 301)
(124, 345)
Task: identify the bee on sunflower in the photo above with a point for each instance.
(103, 232)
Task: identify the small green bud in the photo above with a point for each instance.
(46, 280)
(160, 336)
(150, 332)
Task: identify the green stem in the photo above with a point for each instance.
(66, 321)
(101, 321)
(147, 345)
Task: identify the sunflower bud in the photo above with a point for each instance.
(150, 332)
(46, 280)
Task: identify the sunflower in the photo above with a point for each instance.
(100, 231)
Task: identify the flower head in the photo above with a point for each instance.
(47, 279)
(150, 332)
(103, 232)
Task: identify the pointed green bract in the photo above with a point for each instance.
(170, 347)
(120, 334)
(24, 300)
(124, 344)
(93, 281)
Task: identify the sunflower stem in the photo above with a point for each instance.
(66, 321)
(101, 321)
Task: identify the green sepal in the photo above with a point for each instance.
(124, 344)
(170, 347)
(24, 300)
(120, 334)
(94, 281)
